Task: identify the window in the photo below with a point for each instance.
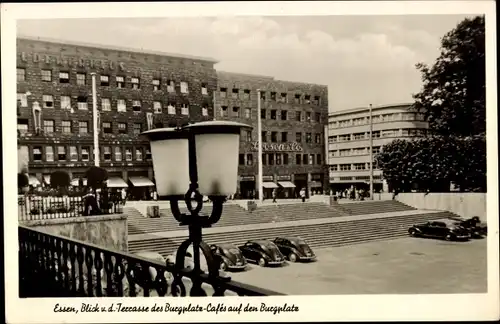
(22, 126)
(298, 116)
(49, 154)
(138, 154)
(307, 99)
(264, 160)
(318, 159)
(204, 110)
(305, 159)
(358, 121)
(157, 107)
(278, 158)
(332, 139)
(156, 84)
(345, 152)
(308, 116)
(273, 114)
(317, 117)
(83, 127)
(224, 112)
(358, 151)
(121, 105)
(148, 154)
(311, 159)
(135, 83)
(37, 153)
(73, 153)
(285, 158)
(235, 94)
(333, 167)
(81, 103)
(263, 114)
(248, 112)
(136, 105)
(85, 153)
(171, 109)
(46, 75)
(21, 74)
(359, 136)
(120, 82)
(359, 166)
(273, 96)
(345, 167)
(48, 126)
(105, 80)
(80, 78)
(284, 137)
(317, 100)
(122, 128)
(246, 94)
(170, 86)
(346, 137)
(236, 112)
(308, 138)
(204, 89)
(298, 159)
(264, 136)
(118, 153)
(184, 87)
(263, 95)
(137, 128)
(297, 98)
(23, 98)
(48, 101)
(223, 92)
(270, 159)
(283, 97)
(389, 133)
(107, 153)
(376, 150)
(185, 109)
(249, 159)
(317, 138)
(63, 77)
(274, 137)
(106, 128)
(106, 104)
(298, 137)
(128, 154)
(241, 159)
(61, 153)
(66, 126)
(284, 115)
(248, 135)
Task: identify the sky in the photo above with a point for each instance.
(362, 59)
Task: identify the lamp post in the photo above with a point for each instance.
(371, 154)
(95, 114)
(259, 153)
(201, 158)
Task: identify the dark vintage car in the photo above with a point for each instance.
(295, 249)
(262, 252)
(443, 228)
(473, 225)
(229, 257)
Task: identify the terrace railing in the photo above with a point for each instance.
(56, 266)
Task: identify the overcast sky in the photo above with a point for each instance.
(362, 59)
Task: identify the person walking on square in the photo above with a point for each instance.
(124, 196)
(303, 194)
(275, 194)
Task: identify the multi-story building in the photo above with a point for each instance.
(136, 90)
(293, 118)
(349, 142)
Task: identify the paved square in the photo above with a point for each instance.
(401, 266)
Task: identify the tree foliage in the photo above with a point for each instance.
(454, 88)
(59, 179)
(96, 176)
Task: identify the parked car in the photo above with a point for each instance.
(473, 225)
(262, 252)
(295, 249)
(229, 257)
(443, 228)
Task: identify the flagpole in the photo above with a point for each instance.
(95, 119)
(259, 136)
(371, 154)
(215, 109)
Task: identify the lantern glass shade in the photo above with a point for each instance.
(170, 155)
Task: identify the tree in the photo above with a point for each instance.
(60, 180)
(96, 176)
(454, 88)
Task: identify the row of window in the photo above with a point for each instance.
(273, 114)
(83, 127)
(273, 96)
(351, 167)
(282, 137)
(383, 118)
(378, 134)
(354, 151)
(84, 153)
(281, 159)
(105, 81)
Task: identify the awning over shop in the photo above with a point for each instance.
(316, 184)
(141, 182)
(286, 184)
(116, 182)
(47, 179)
(33, 181)
(269, 185)
(75, 182)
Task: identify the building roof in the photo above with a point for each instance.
(116, 48)
(363, 109)
(265, 78)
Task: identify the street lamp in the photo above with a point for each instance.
(201, 158)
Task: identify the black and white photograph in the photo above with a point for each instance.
(260, 161)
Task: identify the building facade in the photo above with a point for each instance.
(136, 90)
(293, 118)
(349, 142)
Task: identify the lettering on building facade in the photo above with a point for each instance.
(71, 61)
(278, 147)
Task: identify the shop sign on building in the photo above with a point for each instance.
(278, 147)
(71, 61)
(284, 178)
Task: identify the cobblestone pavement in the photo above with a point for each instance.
(401, 266)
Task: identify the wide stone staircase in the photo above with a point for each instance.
(331, 234)
(373, 207)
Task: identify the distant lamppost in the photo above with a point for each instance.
(201, 158)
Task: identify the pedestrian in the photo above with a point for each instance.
(303, 194)
(275, 193)
(155, 195)
(124, 196)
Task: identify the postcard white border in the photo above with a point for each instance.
(312, 308)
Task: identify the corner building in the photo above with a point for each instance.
(136, 90)
(293, 117)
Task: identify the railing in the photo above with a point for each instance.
(56, 266)
(38, 208)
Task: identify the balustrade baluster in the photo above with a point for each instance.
(119, 273)
(90, 276)
(64, 267)
(108, 265)
(79, 259)
(60, 272)
(130, 273)
(160, 283)
(98, 268)
(72, 257)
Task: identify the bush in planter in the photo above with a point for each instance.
(60, 180)
(96, 177)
